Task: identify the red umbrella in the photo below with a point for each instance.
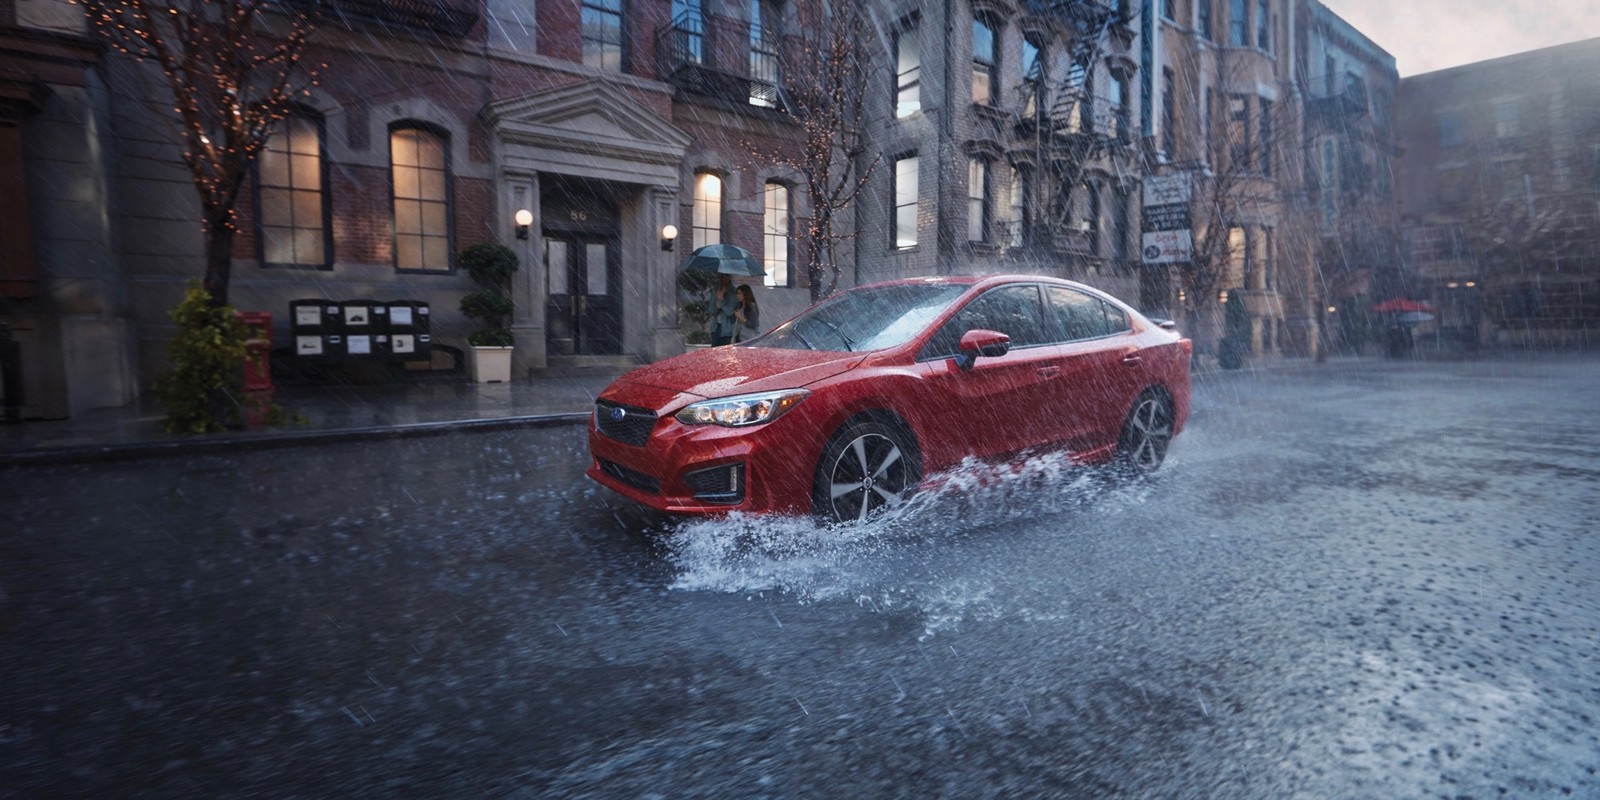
(1401, 305)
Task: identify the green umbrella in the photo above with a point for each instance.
(723, 259)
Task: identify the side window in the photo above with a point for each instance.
(1084, 316)
(1012, 310)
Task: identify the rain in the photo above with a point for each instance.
(374, 563)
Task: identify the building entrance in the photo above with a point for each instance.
(583, 271)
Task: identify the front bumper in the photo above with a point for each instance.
(709, 469)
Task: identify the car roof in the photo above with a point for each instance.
(986, 280)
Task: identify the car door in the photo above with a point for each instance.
(1003, 403)
(1100, 369)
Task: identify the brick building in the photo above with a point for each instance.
(1500, 196)
(432, 126)
(1351, 86)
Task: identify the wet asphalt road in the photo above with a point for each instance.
(1358, 580)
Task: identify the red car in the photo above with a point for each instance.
(846, 408)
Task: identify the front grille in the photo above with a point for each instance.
(633, 428)
(631, 477)
(722, 485)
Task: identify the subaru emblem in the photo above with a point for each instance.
(617, 414)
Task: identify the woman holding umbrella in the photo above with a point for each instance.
(724, 307)
(725, 260)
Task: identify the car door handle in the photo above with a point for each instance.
(1132, 358)
(1049, 372)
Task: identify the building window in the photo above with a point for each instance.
(1263, 28)
(1169, 122)
(1120, 230)
(602, 34)
(1169, 9)
(707, 215)
(1016, 220)
(984, 66)
(1206, 112)
(1121, 127)
(775, 235)
(291, 211)
(908, 71)
(764, 38)
(1091, 217)
(1264, 124)
(1507, 119)
(419, 169)
(905, 203)
(1450, 130)
(977, 200)
(1238, 252)
(1033, 77)
(1204, 22)
(1239, 132)
(1263, 265)
(1238, 24)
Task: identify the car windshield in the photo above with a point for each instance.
(864, 319)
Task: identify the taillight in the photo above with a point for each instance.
(1188, 348)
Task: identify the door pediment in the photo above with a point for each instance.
(589, 128)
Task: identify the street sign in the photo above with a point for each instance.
(1167, 247)
(1165, 220)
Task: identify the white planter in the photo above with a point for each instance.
(491, 364)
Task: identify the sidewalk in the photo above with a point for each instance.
(334, 412)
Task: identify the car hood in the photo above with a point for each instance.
(724, 371)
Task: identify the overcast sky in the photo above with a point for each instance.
(1425, 35)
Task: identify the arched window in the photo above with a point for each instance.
(707, 209)
(775, 235)
(419, 170)
(290, 196)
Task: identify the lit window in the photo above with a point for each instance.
(290, 210)
(908, 71)
(1239, 132)
(421, 199)
(602, 34)
(905, 203)
(984, 68)
(1015, 221)
(775, 235)
(707, 210)
(977, 200)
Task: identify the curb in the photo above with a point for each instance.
(88, 454)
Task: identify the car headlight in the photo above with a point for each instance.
(741, 410)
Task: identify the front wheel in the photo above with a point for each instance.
(866, 468)
(1146, 435)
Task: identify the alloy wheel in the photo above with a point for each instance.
(1147, 434)
(867, 476)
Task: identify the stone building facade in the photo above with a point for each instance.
(431, 127)
(1500, 196)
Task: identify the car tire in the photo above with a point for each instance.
(866, 468)
(1146, 435)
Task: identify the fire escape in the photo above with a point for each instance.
(1059, 122)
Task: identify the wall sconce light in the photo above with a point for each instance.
(1222, 296)
(524, 219)
(669, 234)
(1333, 309)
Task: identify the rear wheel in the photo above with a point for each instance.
(866, 468)
(1146, 435)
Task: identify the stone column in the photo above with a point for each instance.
(662, 293)
(519, 192)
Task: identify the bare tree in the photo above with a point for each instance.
(1236, 178)
(824, 71)
(232, 78)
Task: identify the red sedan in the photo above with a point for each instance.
(843, 410)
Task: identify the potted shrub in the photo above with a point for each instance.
(696, 290)
(490, 266)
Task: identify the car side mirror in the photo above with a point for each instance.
(1164, 324)
(980, 342)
